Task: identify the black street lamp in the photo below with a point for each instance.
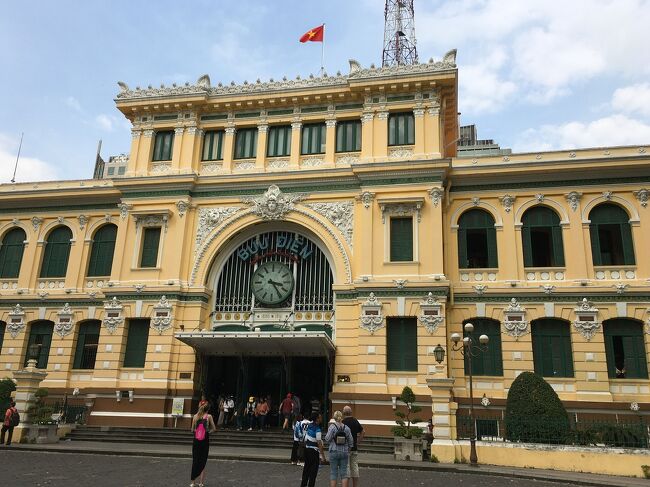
(469, 349)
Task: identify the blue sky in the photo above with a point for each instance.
(534, 74)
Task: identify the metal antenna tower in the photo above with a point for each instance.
(399, 34)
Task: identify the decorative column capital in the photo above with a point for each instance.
(383, 115)
(179, 130)
(263, 128)
(330, 123)
(136, 133)
(148, 133)
(418, 112)
(296, 125)
(230, 130)
(367, 117)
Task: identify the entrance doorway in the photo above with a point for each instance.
(269, 377)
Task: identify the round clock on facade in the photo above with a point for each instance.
(272, 283)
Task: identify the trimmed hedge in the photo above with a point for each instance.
(534, 412)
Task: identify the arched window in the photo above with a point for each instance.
(40, 338)
(477, 240)
(57, 251)
(552, 347)
(490, 361)
(101, 254)
(625, 349)
(11, 253)
(611, 235)
(541, 236)
(86, 351)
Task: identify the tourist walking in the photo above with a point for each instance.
(228, 410)
(260, 413)
(251, 405)
(313, 445)
(298, 453)
(286, 408)
(357, 435)
(340, 442)
(11, 420)
(202, 426)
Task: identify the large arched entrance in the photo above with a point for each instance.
(272, 320)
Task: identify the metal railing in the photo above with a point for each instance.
(629, 433)
(69, 414)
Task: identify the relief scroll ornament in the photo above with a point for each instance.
(339, 214)
(371, 318)
(64, 323)
(515, 323)
(210, 218)
(162, 315)
(113, 311)
(273, 204)
(586, 321)
(430, 314)
(16, 322)
(436, 195)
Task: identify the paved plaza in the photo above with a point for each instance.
(37, 468)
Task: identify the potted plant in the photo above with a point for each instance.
(408, 445)
(42, 428)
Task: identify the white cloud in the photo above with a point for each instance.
(104, 122)
(73, 103)
(607, 131)
(633, 99)
(29, 168)
(481, 88)
(552, 47)
(246, 60)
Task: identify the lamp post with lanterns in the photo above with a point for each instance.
(469, 348)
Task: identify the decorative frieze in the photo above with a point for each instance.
(16, 322)
(273, 204)
(366, 198)
(431, 313)
(113, 315)
(400, 152)
(436, 195)
(312, 161)
(151, 220)
(574, 199)
(347, 159)
(371, 316)
(515, 323)
(277, 163)
(162, 315)
(340, 214)
(507, 201)
(400, 208)
(64, 322)
(160, 167)
(211, 167)
(210, 218)
(642, 195)
(246, 165)
(586, 321)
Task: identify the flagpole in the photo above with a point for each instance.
(13, 179)
(322, 53)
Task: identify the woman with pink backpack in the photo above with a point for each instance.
(202, 426)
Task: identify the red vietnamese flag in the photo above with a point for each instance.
(314, 35)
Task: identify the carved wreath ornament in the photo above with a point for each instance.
(371, 317)
(515, 323)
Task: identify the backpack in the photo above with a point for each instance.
(15, 418)
(199, 431)
(339, 437)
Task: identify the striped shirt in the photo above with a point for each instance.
(313, 436)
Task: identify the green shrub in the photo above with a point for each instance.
(404, 420)
(40, 412)
(534, 412)
(623, 435)
(7, 386)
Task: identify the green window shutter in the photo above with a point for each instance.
(136, 343)
(638, 357)
(102, 250)
(401, 239)
(401, 129)
(401, 344)
(462, 249)
(558, 246)
(57, 252)
(40, 334)
(489, 362)
(552, 352)
(348, 136)
(313, 139)
(527, 246)
(628, 246)
(3, 326)
(212, 145)
(86, 349)
(609, 355)
(163, 145)
(246, 143)
(150, 244)
(597, 257)
(11, 253)
(493, 261)
(279, 141)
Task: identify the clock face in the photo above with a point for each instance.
(272, 283)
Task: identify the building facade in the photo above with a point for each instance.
(320, 236)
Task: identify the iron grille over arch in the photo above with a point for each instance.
(312, 273)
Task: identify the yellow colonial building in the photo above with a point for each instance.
(320, 236)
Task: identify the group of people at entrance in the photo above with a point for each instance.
(344, 432)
